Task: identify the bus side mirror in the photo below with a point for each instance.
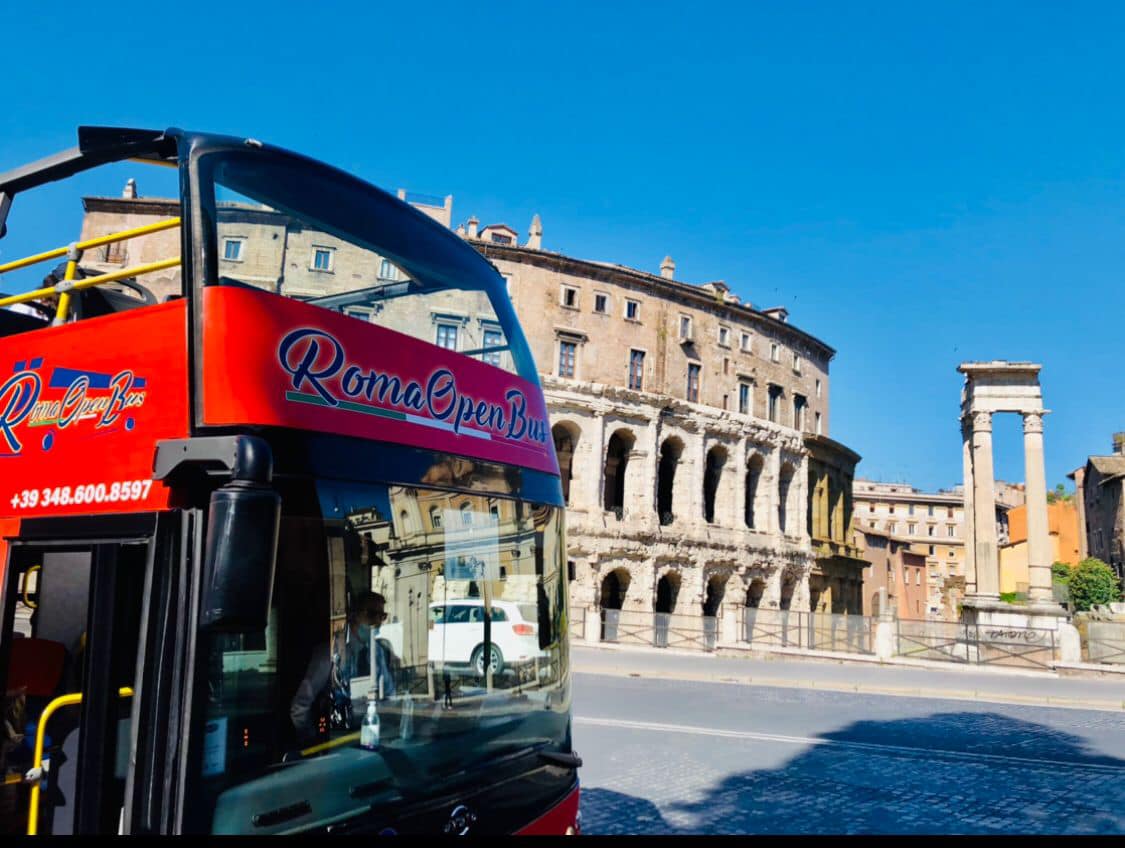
(240, 554)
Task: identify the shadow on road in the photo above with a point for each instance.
(607, 812)
(961, 772)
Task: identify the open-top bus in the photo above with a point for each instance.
(248, 505)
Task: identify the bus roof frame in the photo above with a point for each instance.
(96, 146)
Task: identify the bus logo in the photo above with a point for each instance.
(321, 374)
(460, 820)
(70, 398)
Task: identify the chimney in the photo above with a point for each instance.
(402, 194)
(474, 222)
(1119, 443)
(535, 234)
(668, 268)
(130, 190)
(461, 230)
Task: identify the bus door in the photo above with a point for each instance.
(68, 654)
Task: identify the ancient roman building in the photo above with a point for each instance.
(684, 421)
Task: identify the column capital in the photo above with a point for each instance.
(1033, 421)
(981, 421)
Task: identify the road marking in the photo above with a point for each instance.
(869, 747)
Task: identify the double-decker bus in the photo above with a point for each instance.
(281, 526)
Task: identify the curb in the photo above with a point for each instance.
(1100, 705)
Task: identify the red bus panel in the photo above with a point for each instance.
(270, 360)
(82, 407)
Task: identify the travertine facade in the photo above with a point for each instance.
(680, 419)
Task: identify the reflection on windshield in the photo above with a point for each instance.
(284, 253)
(413, 633)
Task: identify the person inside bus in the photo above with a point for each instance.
(329, 675)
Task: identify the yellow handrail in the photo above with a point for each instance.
(90, 282)
(124, 235)
(35, 776)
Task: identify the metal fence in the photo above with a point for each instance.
(1105, 642)
(659, 629)
(577, 622)
(980, 644)
(818, 631)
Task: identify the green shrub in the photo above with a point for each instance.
(1092, 582)
(1013, 597)
(1060, 572)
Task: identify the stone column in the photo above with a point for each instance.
(802, 482)
(738, 471)
(593, 470)
(984, 510)
(771, 476)
(1038, 539)
(968, 533)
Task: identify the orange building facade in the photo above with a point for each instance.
(1062, 527)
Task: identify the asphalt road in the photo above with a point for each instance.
(694, 756)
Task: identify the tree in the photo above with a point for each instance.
(1059, 494)
(1092, 582)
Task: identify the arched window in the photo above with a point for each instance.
(670, 453)
(404, 522)
(615, 585)
(754, 466)
(716, 589)
(712, 475)
(667, 590)
(616, 463)
(754, 593)
(787, 588)
(466, 514)
(566, 440)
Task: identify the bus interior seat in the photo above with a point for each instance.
(103, 301)
(12, 323)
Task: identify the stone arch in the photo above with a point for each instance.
(755, 466)
(670, 452)
(713, 593)
(712, 477)
(786, 518)
(667, 591)
(754, 592)
(616, 462)
(565, 435)
(615, 586)
(788, 588)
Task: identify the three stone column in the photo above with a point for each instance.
(1038, 539)
(985, 556)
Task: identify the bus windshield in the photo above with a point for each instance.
(323, 237)
(439, 616)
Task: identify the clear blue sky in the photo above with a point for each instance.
(918, 185)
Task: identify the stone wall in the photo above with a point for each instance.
(765, 565)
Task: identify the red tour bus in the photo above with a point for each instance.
(271, 559)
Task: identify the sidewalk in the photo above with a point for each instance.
(930, 680)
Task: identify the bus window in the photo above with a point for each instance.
(373, 606)
(270, 235)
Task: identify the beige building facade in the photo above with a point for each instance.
(933, 525)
